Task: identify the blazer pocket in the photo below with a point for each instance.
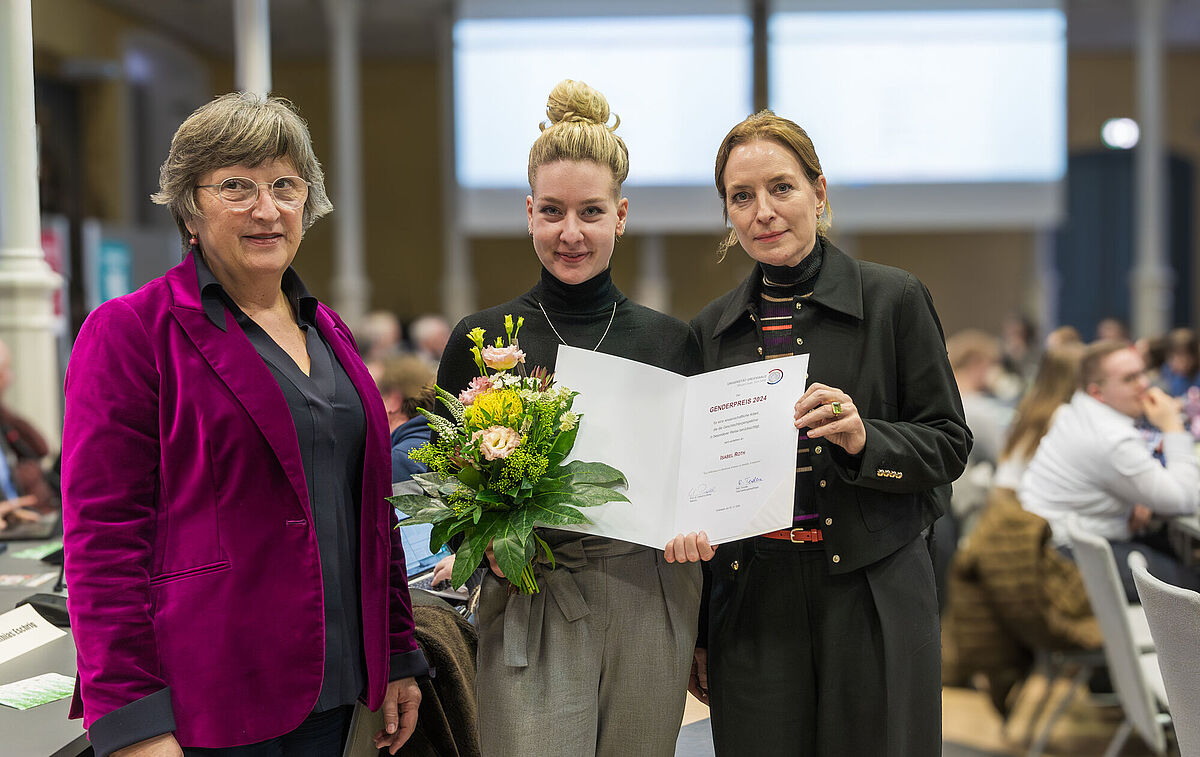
(199, 570)
(882, 510)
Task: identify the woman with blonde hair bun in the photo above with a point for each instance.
(1057, 379)
(596, 663)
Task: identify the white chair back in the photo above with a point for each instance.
(1094, 556)
(1174, 616)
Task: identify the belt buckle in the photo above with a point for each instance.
(806, 535)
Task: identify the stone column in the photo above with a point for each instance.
(27, 285)
(458, 283)
(351, 289)
(653, 286)
(252, 37)
(1152, 278)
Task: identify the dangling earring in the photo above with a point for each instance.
(193, 244)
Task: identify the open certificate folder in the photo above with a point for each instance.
(714, 452)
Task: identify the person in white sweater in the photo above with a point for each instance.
(1095, 465)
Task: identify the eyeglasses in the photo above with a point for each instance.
(239, 193)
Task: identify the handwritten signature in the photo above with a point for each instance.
(751, 480)
(700, 490)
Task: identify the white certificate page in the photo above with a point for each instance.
(714, 452)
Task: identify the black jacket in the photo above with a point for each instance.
(876, 337)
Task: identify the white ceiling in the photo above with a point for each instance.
(410, 28)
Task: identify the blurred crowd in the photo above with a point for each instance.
(1101, 435)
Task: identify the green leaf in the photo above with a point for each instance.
(410, 503)
(444, 530)
(545, 547)
(430, 482)
(541, 512)
(474, 546)
(514, 549)
(595, 494)
(420, 509)
(562, 446)
(594, 473)
(470, 477)
(582, 495)
(449, 486)
(490, 497)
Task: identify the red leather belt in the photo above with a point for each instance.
(796, 535)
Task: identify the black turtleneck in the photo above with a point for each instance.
(581, 313)
(803, 273)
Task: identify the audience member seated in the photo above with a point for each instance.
(1154, 352)
(1057, 379)
(1112, 328)
(974, 358)
(1011, 594)
(1181, 370)
(429, 335)
(379, 336)
(24, 490)
(1019, 358)
(1093, 464)
(1063, 336)
(406, 383)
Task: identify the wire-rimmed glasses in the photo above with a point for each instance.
(240, 193)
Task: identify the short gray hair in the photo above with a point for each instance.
(238, 128)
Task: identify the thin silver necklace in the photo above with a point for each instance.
(564, 341)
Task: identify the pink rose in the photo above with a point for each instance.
(497, 442)
(478, 386)
(502, 358)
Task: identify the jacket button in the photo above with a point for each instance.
(799, 340)
(760, 350)
(799, 306)
(836, 558)
(821, 483)
(733, 565)
(829, 521)
(752, 316)
(817, 449)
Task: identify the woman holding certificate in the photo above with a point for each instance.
(823, 638)
(596, 663)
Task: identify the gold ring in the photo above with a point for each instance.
(837, 407)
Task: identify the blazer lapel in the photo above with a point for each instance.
(239, 365)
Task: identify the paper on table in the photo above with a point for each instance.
(39, 551)
(40, 689)
(714, 452)
(23, 629)
(31, 580)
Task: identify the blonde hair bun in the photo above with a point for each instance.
(578, 130)
(574, 101)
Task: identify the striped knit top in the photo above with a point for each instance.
(784, 320)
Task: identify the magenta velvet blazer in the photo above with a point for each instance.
(191, 556)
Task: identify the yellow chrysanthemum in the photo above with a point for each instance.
(501, 407)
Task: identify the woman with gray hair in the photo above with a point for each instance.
(236, 580)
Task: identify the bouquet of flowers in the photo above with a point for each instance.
(497, 470)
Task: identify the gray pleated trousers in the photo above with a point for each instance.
(595, 664)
